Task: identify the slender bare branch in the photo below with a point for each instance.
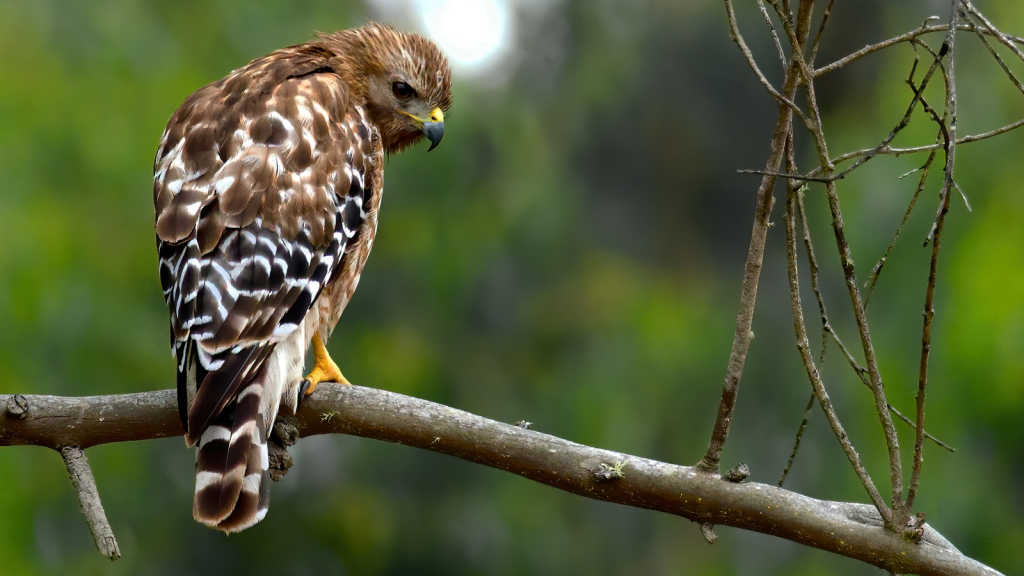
(999, 59)
(949, 138)
(905, 37)
(775, 36)
(89, 499)
(804, 347)
(861, 373)
(849, 529)
(927, 434)
(876, 271)
(796, 442)
(755, 256)
(1007, 40)
(914, 149)
(895, 518)
(827, 167)
(826, 326)
(812, 176)
(821, 31)
(874, 373)
(737, 37)
(904, 122)
(812, 261)
(795, 190)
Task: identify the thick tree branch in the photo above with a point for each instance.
(850, 529)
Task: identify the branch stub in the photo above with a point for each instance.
(17, 406)
(738, 473)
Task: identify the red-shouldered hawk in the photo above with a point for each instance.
(267, 185)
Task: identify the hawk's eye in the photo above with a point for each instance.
(402, 91)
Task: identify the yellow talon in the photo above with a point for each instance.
(324, 368)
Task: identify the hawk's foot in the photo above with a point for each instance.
(324, 369)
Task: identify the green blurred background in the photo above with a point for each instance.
(571, 256)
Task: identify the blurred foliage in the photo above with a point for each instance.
(571, 255)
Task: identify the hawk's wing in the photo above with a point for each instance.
(259, 187)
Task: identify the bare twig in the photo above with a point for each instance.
(804, 347)
(997, 57)
(894, 518)
(827, 329)
(796, 190)
(89, 498)
(876, 271)
(852, 530)
(752, 269)
(814, 123)
(821, 31)
(905, 37)
(775, 36)
(737, 37)
(949, 136)
(927, 434)
(936, 65)
(1007, 40)
(862, 375)
(809, 177)
(796, 443)
(812, 176)
(826, 326)
(912, 150)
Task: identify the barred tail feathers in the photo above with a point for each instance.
(239, 395)
(232, 479)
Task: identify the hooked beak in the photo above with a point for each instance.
(433, 128)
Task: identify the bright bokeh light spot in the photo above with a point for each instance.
(472, 33)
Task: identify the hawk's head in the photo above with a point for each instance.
(402, 81)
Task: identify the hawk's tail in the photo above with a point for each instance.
(232, 479)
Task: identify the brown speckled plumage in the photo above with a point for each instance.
(267, 187)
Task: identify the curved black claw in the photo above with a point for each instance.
(302, 392)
